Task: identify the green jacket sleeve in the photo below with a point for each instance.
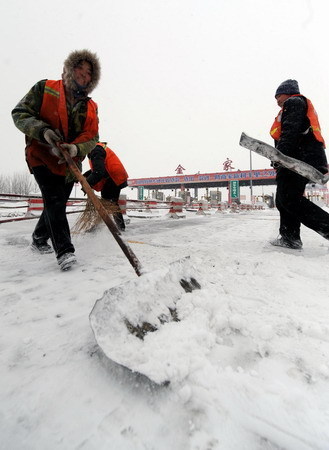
(26, 114)
(86, 147)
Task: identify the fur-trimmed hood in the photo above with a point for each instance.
(73, 60)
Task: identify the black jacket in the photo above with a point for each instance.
(295, 140)
(97, 157)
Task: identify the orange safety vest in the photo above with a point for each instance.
(113, 166)
(312, 116)
(54, 112)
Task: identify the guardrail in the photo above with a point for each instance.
(13, 205)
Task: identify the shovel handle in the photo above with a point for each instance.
(132, 258)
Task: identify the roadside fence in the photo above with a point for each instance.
(14, 207)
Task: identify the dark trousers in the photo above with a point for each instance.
(111, 192)
(53, 222)
(295, 209)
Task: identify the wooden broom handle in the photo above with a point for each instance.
(132, 258)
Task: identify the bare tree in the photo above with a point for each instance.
(5, 184)
(22, 183)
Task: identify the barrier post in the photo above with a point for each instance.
(34, 204)
(234, 207)
(150, 204)
(220, 208)
(123, 207)
(176, 208)
(203, 208)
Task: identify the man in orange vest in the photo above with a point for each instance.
(59, 112)
(296, 131)
(108, 176)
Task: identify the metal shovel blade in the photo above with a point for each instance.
(300, 167)
(131, 322)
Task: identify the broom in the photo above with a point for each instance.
(89, 220)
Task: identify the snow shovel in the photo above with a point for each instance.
(300, 167)
(128, 304)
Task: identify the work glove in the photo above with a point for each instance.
(72, 150)
(52, 137)
(56, 152)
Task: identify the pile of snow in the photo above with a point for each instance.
(247, 362)
(12, 209)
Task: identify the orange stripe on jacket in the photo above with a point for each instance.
(275, 131)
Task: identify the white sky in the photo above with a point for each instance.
(180, 78)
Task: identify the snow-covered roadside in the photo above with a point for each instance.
(249, 357)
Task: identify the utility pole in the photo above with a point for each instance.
(250, 177)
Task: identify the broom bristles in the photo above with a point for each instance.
(90, 219)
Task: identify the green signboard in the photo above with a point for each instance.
(234, 189)
(140, 192)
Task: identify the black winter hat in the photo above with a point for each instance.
(289, 87)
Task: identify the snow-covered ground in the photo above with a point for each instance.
(248, 363)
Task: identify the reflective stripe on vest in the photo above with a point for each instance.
(53, 108)
(113, 166)
(312, 116)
